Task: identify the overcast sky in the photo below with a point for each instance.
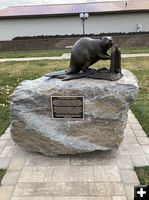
(6, 3)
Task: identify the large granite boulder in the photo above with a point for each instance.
(106, 104)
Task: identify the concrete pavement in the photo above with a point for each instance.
(64, 56)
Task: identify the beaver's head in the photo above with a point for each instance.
(106, 42)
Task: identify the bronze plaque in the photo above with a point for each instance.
(67, 107)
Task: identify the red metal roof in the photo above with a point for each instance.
(65, 9)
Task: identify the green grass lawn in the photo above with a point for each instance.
(35, 53)
(143, 175)
(134, 50)
(2, 173)
(59, 52)
(12, 73)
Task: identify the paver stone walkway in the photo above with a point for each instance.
(101, 175)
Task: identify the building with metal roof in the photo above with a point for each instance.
(63, 19)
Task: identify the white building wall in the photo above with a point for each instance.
(10, 28)
(117, 23)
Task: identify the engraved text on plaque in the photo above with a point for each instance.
(67, 107)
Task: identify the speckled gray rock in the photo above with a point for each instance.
(106, 105)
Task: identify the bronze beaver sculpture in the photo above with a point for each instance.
(87, 51)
